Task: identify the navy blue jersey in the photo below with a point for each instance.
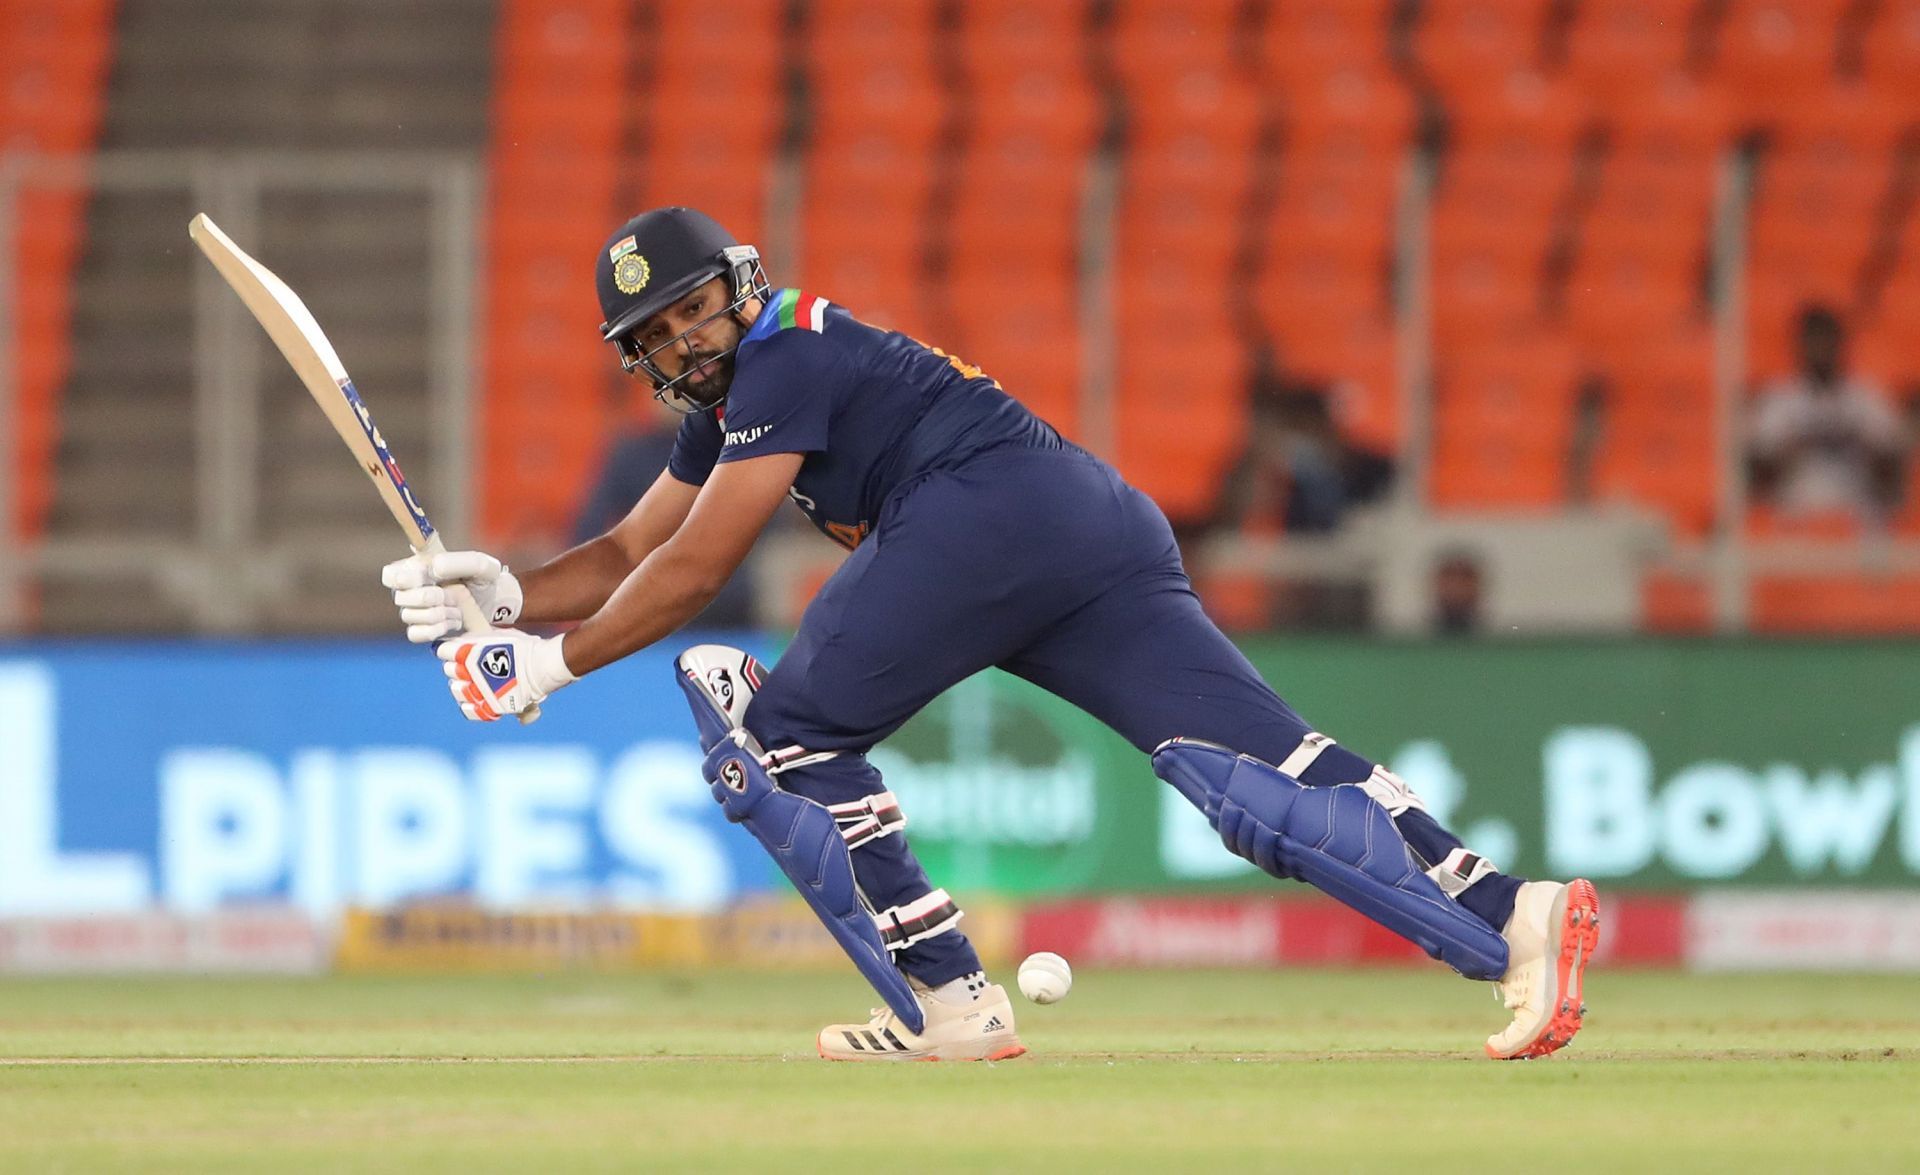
(869, 408)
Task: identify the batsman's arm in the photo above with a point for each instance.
(577, 584)
(681, 576)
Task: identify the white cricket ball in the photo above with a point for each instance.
(1045, 978)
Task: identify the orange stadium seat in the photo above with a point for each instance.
(987, 306)
(1305, 39)
(1209, 173)
(1672, 119)
(1774, 54)
(1659, 436)
(1352, 202)
(1886, 342)
(1857, 604)
(1521, 115)
(1174, 36)
(1163, 220)
(1322, 278)
(1348, 114)
(1616, 48)
(1018, 247)
(1503, 423)
(1168, 110)
(1850, 121)
(730, 38)
(558, 122)
(1006, 182)
(1181, 416)
(879, 288)
(1018, 34)
(1646, 184)
(864, 179)
(1628, 275)
(897, 107)
(1041, 108)
(1891, 46)
(1355, 355)
(1463, 43)
(865, 23)
(1490, 230)
(1674, 604)
(729, 188)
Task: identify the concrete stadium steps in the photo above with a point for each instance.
(287, 76)
(302, 73)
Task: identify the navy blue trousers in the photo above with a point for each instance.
(1046, 564)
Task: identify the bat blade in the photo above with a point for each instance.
(294, 330)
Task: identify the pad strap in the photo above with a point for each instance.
(1460, 870)
(787, 758)
(920, 919)
(1301, 757)
(1390, 792)
(868, 818)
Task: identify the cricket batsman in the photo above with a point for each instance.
(979, 538)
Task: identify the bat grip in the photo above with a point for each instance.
(475, 621)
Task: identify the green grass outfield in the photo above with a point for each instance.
(1168, 1071)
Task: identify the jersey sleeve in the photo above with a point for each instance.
(783, 396)
(695, 447)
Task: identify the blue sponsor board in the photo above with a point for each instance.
(196, 776)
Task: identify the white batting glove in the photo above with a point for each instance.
(428, 610)
(499, 671)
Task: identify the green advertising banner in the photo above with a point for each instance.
(1655, 764)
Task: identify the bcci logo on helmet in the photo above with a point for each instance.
(734, 776)
(631, 273)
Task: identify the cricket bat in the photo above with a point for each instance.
(292, 328)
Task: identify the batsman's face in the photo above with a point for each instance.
(695, 337)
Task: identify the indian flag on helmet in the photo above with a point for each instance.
(792, 308)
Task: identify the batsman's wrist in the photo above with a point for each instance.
(547, 666)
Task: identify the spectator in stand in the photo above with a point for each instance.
(1589, 435)
(1297, 474)
(635, 460)
(1825, 441)
(1457, 593)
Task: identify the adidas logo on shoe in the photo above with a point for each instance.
(994, 1025)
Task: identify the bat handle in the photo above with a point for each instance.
(471, 616)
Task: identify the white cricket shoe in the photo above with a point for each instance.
(1551, 935)
(980, 1030)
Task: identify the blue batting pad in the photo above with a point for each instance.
(1337, 839)
(803, 839)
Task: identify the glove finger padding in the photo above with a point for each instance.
(421, 597)
(476, 568)
(428, 625)
(405, 574)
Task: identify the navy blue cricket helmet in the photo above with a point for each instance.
(653, 261)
